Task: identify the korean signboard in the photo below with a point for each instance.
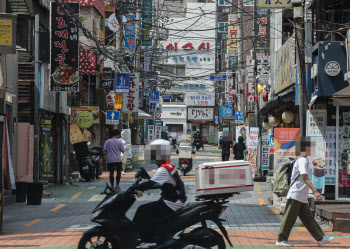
(200, 114)
(130, 34)
(94, 110)
(278, 4)
(84, 119)
(284, 145)
(46, 152)
(265, 154)
(229, 89)
(284, 58)
(150, 133)
(330, 156)
(131, 99)
(263, 66)
(253, 147)
(8, 30)
(158, 132)
(233, 38)
(226, 112)
(200, 99)
(244, 132)
(174, 113)
(64, 57)
(316, 122)
(146, 22)
(5, 32)
(262, 30)
(122, 83)
(107, 84)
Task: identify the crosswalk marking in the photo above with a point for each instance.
(32, 222)
(258, 191)
(92, 187)
(274, 211)
(58, 207)
(262, 202)
(76, 195)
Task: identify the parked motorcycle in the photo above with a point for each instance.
(117, 231)
(82, 154)
(185, 152)
(96, 154)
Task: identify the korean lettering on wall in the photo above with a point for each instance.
(316, 123)
(146, 22)
(265, 147)
(200, 99)
(274, 4)
(252, 147)
(262, 30)
(200, 114)
(131, 99)
(233, 27)
(64, 49)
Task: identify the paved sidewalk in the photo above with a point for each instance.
(60, 221)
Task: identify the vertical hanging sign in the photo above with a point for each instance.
(64, 57)
(262, 30)
(131, 99)
(146, 22)
(130, 34)
(232, 34)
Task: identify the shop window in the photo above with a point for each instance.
(224, 2)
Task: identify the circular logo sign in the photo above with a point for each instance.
(250, 98)
(157, 115)
(112, 23)
(85, 120)
(146, 94)
(332, 68)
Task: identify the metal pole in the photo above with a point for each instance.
(36, 104)
(240, 49)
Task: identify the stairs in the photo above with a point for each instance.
(337, 214)
(26, 81)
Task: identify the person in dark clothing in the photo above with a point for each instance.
(198, 135)
(226, 144)
(238, 149)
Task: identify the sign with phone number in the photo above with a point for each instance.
(65, 88)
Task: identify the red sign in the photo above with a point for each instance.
(251, 98)
(158, 115)
(188, 46)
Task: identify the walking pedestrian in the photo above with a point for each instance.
(127, 151)
(226, 144)
(113, 147)
(297, 203)
(238, 149)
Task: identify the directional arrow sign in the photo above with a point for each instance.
(112, 117)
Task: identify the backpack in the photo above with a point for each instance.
(283, 183)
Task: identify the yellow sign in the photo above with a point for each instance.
(118, 101)
(284, 60)
(84, 119)
(5, 32)
(270, 4)
(94, 110)
(232, 46)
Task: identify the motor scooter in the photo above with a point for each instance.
(82, 154)
(117, 231)
(197, 143)
(185, 157)
(96, 155)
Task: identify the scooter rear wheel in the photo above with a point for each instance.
(95, 239)
(216, 241)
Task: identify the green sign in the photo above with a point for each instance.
(84, 120)
(146, 22)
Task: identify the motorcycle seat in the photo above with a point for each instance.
(179, 212)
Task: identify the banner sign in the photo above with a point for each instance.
(253, 147)
(131, 99)
(158, 132)
(122, 83)
(233, 38)
(146, 22)
(107, 84)
(200, 99)
(94, 110)
(150, 133)
(284, 145)
(265, 153)
(270, 4)
(285, 61)
(316, 122)
(331, 153)
(244, 132)
(130, 34)
(229, 88)
(262, 30)
(226, 112)
(272, 144)
(64, 57)
(200, 113)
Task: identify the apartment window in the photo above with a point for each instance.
(174, 70)
(248, 3)
(225, 3)
(223, 28)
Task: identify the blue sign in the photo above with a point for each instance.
(153, 107)
(157, 121)
(130, 34)
(218, 77)
(225, 112)
(239, 116)
(154, 97)
(216, 119)
(122, 83)
(112, 117)
(167, 97)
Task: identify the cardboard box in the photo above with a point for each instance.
(224, 178)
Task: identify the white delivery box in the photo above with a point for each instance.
(185, 151)
(224, 178)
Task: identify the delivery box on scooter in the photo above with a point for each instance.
(224, 178)
(185, 151)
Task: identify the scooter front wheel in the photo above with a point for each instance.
(96, 239)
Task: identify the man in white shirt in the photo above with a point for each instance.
(297, 200)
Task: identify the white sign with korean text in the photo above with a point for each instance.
(253, 146)
(278, 4)
(200, 114)
(173, 113)
(158, 132)
(131, 99)
(150, 133)
(265, 147)
(316, 123)
(200, 99)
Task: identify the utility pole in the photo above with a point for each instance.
(240, 49)
(300, 56)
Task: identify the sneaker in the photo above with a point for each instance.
(325, 240)
(123, 173)
(283, 243)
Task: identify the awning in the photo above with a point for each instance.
(144, 115)
(342, 97)
(277, 102)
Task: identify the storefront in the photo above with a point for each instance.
(202, 118)
(174, 116)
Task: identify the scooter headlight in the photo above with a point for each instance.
(95, 214)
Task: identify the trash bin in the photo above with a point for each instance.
(21, 191)
(34, 193)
